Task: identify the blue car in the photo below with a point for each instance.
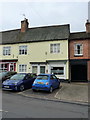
(19, 82)
(46, 82)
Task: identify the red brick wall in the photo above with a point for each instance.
(85, 49)
(88, 69)
(89, 49)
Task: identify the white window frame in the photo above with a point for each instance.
(7, 50)
(58, 64)
(23, 50)
(76, 49)
(22, 68)
(55, 48)
(2, 67)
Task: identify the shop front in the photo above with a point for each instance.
(59, 68)
(8, 65)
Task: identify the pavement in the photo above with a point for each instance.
(68, 92)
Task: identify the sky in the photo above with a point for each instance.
(43, 13)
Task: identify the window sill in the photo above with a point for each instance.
(78, 55)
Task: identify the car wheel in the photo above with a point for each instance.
(58, 86)
(51, 89)
(21, 88)
(34, 90)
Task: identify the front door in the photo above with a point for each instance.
(11, 67)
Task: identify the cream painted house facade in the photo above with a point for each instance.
(36, 50)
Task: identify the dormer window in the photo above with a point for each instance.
(78, 49)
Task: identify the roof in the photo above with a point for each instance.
(46, 33)
(79, 35)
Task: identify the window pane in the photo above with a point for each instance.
(78, 49)
(54, 48)
(22, 50)
(6, 50)
(22, 68)
(57, 70)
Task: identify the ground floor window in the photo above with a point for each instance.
(42, 69)
(22, 68)
(3, 67)
(57, 70)
(8, 66)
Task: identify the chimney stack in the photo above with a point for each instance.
(24, 25)
(87, 26)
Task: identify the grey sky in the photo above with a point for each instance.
(44, 14)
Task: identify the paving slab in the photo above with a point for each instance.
(74, 92)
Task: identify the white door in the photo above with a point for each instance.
(11, 67)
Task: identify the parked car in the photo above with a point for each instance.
(6, 75)
(46, 82)
(19, 82)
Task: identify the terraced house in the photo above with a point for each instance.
(36, 50)
(43, 50)
(79, 50)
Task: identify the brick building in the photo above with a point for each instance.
(79, 54)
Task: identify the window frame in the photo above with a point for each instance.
(23, 50)
(55, 48)
(7, 51)
(76, 50)
(22, 68)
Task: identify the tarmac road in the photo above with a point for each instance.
(16, 106)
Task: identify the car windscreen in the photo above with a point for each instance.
(2, 74)
(42, 77)
(18, 77)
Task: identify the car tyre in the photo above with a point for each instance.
(58, 86)
(51, 89)
(21, 88)
(34, 90)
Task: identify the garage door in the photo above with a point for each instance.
(78, 73)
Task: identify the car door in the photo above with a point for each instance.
(54, 81)
(28, 81)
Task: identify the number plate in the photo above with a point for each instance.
(6, 86)
(40, 82)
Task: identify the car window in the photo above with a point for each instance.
(28, 77)
(17, 77)
(53, 77)
(33, 75)
(42, 77)
(2, 74)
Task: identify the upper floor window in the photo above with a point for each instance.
(6, 50)
(78, 50)
(22, 50)
(55, 48)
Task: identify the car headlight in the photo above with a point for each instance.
(14, 83)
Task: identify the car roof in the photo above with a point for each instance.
(45, 74)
